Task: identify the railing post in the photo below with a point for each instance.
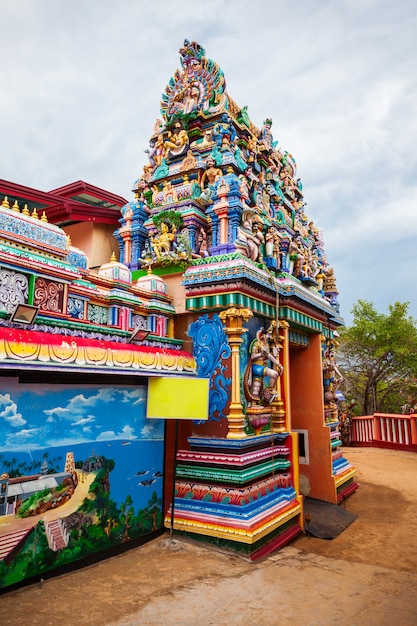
(413, 425)
(377, 427)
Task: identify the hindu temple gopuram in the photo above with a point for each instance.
(219, 272)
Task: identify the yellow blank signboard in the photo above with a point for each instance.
(178, 398)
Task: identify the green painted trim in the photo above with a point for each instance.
(225, 300)
(159, 271)
(303, 321)
(31, 288)
(233, 476)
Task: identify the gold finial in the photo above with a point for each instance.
(44, 218)
(15, 207)
(35, 214)
(25, 210)
(5, 204)
(69, 242)
(113, 258)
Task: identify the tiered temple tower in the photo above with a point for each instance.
(219, 212)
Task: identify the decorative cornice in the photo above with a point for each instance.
(32, 349)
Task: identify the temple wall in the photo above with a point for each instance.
(306, 388)
(96, 240)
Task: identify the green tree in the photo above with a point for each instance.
(378, 357)
(127, 516)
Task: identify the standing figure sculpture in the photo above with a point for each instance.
(263, 351)
(332, 378)
(260, 380)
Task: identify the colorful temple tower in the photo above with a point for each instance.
(219, 213)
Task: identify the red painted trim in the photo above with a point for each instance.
(344, 493)
(276, 543)
(36, 337)
(60, 207)
(80, 186)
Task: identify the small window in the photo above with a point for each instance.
(303, 452)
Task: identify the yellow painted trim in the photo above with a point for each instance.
(339, 480)
(242, 535)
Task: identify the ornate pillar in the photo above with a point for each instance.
(221, 209)
(278, 421)
(233, 320)
(125, 233)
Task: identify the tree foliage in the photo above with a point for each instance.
(378, 357)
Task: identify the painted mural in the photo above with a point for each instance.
(73, 480)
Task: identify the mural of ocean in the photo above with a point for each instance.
(137, 471)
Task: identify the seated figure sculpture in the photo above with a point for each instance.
(162, 243)
(177, 140)
(250, 236)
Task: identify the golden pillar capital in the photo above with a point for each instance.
(234, 318)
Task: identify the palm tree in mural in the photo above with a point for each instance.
(127, 516)
(53, 463)
(154, 509)
(10, 466)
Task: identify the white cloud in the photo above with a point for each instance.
(153, 429)
(26, 433)
(80, 404)
(9, 411)
(126, 432)
(84, 420)
(107, 434)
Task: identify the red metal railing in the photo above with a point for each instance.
(385, 430)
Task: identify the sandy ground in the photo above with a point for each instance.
(367, 575)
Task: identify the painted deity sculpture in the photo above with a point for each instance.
(261, 375)
(332, 378)
(250, 236)
(162, 243)
(176, 141)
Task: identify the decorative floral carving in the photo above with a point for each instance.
(76, 307)
(48, 295)
(210, 349)
(97, 314)
(13, 289)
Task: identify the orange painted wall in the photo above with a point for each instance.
(96, 240)
(306, 394)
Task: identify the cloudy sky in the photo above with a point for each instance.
(39, 416)
(82, 82)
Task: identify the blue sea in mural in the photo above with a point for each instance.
(45, 422)
(137, 471)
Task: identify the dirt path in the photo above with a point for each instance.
(367, 575)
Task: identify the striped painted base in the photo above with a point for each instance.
(237, 496)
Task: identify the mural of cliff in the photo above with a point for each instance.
(74, 483)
